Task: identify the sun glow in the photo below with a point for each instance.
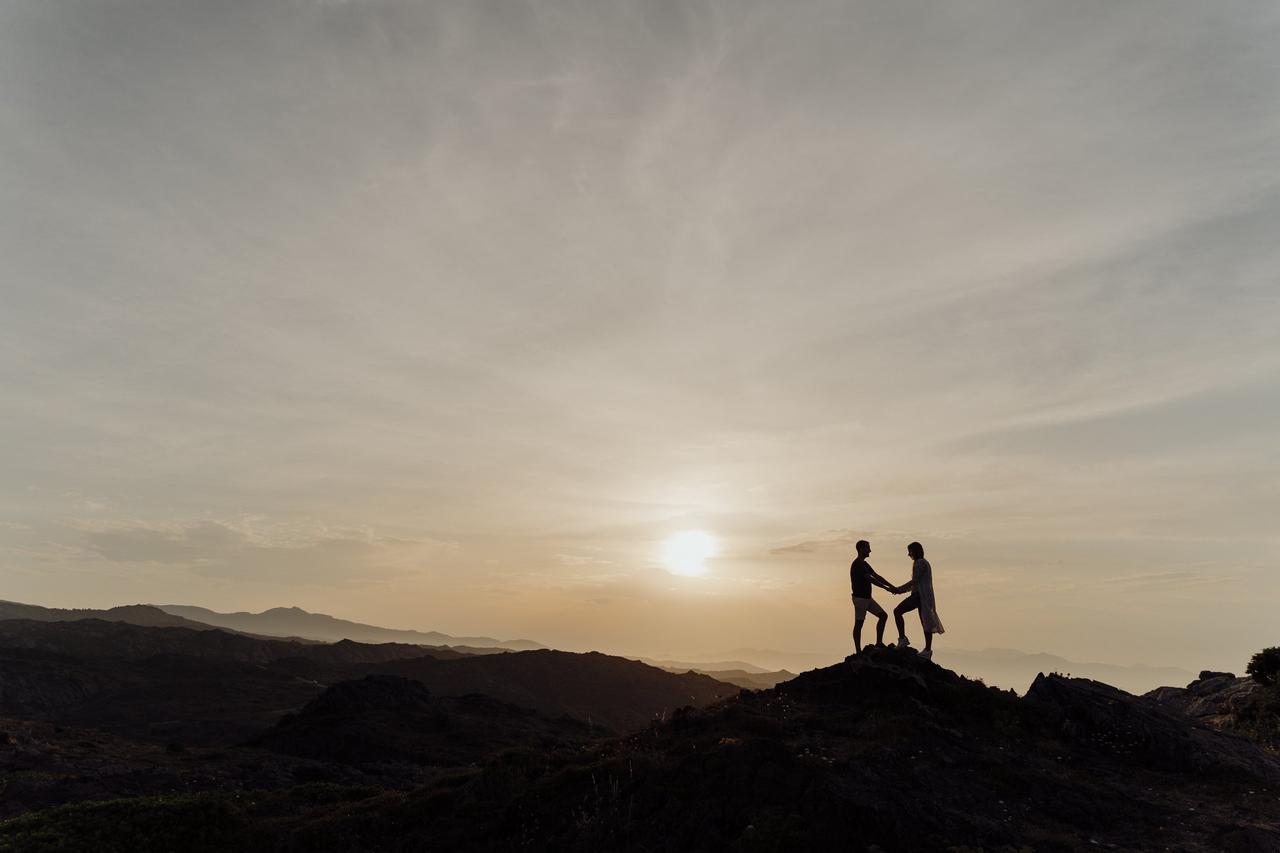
(686, 553)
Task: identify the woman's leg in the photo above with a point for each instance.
(911, 602)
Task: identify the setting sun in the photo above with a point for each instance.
(686, 553)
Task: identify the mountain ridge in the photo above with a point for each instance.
(294, 621)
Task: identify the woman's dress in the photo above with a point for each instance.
(922, 574)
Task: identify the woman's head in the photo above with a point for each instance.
(915, 551)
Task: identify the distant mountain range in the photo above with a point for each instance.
(1016, 670)
(134, 614)
(737, 672)
(296, 622)
(745, 667)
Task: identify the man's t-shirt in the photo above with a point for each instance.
(860, 578)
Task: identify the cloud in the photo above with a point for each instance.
(1175, 580)
(285, 553)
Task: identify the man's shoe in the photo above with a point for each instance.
(903, 642)
(927, 654)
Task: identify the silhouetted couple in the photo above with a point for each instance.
(862, 577)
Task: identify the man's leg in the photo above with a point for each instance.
(857, 635)
(928, 641)
(881, 619)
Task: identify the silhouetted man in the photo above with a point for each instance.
(861, 577)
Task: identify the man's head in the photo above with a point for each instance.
(915, 551)
(864, 547)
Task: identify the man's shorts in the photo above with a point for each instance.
(863, 606)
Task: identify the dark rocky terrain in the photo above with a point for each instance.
(885, 752)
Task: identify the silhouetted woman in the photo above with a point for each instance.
(921, 598)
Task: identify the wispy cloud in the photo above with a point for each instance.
(308, 554)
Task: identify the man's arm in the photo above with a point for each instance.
(879, 581)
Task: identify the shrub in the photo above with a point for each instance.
(1265, 666)
(1259, 717)
(191, 823)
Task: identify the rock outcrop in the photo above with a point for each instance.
(1214, 697)
(1099, 715)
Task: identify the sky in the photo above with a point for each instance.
(449, 315)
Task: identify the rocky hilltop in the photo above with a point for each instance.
(883, 752)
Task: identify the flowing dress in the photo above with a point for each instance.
(922, 574)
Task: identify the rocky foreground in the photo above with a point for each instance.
(884, 752)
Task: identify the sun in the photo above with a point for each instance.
(685, 553)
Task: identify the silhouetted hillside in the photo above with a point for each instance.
(168, 684)
(96, 638)
(887, 752)
(615, 692)
(160, 698)
(383, 718)
(296, 622)
(214, 687)
(891, 753)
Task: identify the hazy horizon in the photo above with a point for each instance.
(451, 316)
